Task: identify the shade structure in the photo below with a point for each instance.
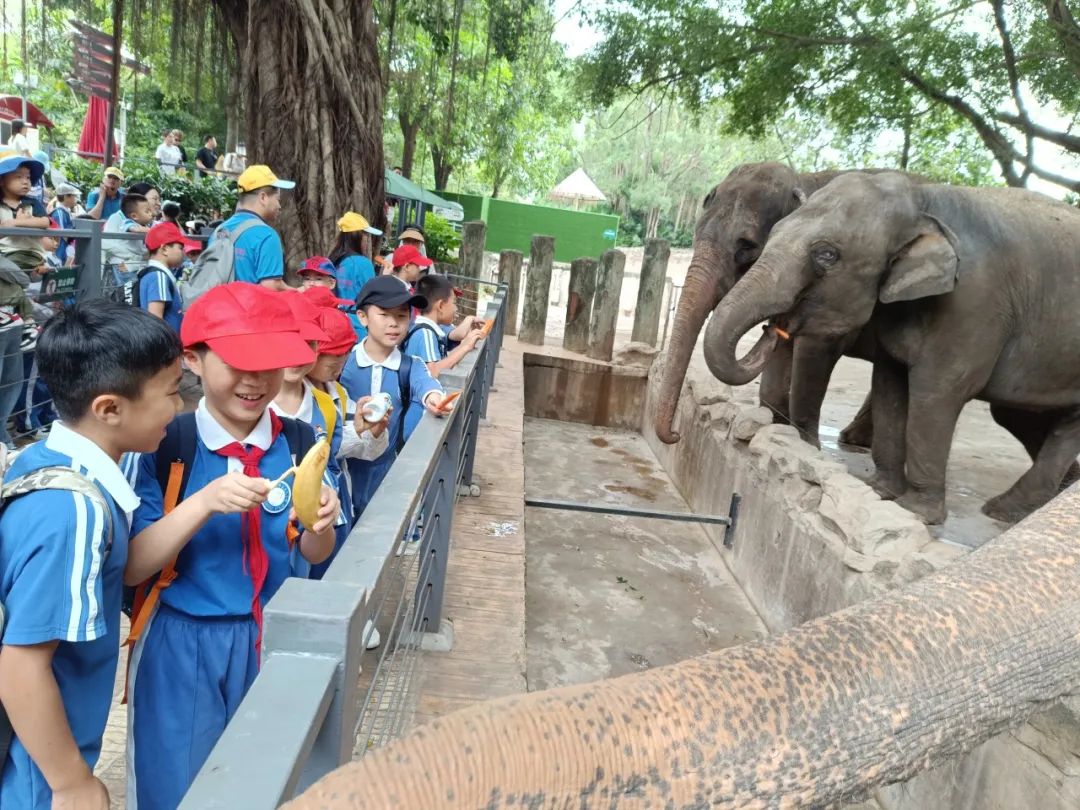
(578, 187)
(92, 139)
(11, 107)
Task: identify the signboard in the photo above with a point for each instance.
(610, 234)
(449, 214)
(60, 282)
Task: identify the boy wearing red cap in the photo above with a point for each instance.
(158, 293)
(197, 635)
(408, 264)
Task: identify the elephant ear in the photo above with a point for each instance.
(925, 266)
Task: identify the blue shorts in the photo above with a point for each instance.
(188, 676)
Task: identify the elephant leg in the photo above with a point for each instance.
(1043, 480)
(812, 365)
(890, 415)
(1031, 428)
(774, 391)
(932, 417)
(860, 433)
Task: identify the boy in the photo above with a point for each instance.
(318, 271)
(158, 293)
(114, 371)
(127, 256)
(197, 636)
(17, 174)
(67, 201)
(408, 263)
(377, 365)
(427, 339)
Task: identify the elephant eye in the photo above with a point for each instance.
(825, 254)
(746, 252)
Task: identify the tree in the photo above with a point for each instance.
(1005, 72)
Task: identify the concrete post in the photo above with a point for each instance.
(579, 304)
(510, 275)
(537, 291)
(605, 312)
(471, 259)
(650, 297)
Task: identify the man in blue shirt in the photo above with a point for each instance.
(259, 256)
(103, 202)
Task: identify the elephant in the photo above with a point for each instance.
(739, 214)
(821, 714)
(969, 293)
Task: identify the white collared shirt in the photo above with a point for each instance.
(101, 468)
(392, 362)
(214, 436)
(307, 406)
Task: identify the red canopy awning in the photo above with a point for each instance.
(11, 107)
(92, 140)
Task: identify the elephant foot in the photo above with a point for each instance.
(1011, 507)
(930, 509)
(888, 487)
(860, 433)
(810, 433)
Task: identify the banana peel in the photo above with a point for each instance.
(307, 485)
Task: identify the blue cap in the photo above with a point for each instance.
(388, 292)
(10, 161)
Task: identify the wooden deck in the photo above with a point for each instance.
(485, 590)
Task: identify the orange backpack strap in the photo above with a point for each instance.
(149, 593)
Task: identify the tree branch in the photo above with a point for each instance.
(1014, 81)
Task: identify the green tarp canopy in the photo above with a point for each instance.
(405, 189)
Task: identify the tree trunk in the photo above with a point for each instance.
(409, 130)
(441, 167)
(314, 110)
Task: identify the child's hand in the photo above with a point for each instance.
(329, 507)
(471, 339)
(477, 323)
(361, 424)
(234, 492)
(23, 214)
(87, 794)
(434, 401)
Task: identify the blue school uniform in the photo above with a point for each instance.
(197, 657)
(363, 377)
(427, 341)
(159, 284)
(258, 254)
(311, 414)
(353, 272)
(61, 579)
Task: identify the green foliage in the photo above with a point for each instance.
(440, 239)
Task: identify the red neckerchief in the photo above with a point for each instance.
(256, 562)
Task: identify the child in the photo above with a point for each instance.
(127, 256)
(408, 264)
(198, 634)
(427, 339)
(318, 271)
(114, 371)
(158, 293)
(377, 365)
(352, 256)
(34, 411)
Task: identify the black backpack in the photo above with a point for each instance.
(128, 292)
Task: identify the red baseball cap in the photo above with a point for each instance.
(410, 254)
(319, 264)
(167, 233)
(249, 327)
(324, 297)
(307, 316)
(341, 336)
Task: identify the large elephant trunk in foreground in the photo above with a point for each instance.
(860, 698)
(701, 290)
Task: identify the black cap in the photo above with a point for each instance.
(388, 292)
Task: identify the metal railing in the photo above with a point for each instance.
(312, 706)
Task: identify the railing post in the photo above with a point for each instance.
(579, 304)
(605, 314)
(88, 257)
(436, 548)
(510, 275)
(537, 291)
(471, 259)
(650, 297)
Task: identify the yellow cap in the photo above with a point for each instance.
(112, 171)
(260, 176)
(352, 222)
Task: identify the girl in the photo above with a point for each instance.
(352, 257)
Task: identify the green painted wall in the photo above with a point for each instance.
(511, 226)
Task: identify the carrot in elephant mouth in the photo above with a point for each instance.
(781, 333)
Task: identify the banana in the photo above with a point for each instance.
(307, 485)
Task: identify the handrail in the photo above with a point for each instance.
(309, 620)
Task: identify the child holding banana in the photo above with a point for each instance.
(197, 635)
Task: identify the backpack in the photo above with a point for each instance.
(216, 264)
(329, 410)
(174, 458)
(440, 338)
(129, 292)
(46, 478)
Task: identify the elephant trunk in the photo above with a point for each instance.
(706, 282)
(760, 294)
(829, 710)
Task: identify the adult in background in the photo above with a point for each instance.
(413, 235)
(116, 223)
(206, 158)
(168, 153)
(105, 201)
(19, 142)
(351, 256)
(67, 201)
(259, 257)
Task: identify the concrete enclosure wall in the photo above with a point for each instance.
(812, 539)
(584, 391)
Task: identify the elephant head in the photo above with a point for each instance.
(739, 214)
(860, 240)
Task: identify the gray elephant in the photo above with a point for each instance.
(973, 293)
(739, 215)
